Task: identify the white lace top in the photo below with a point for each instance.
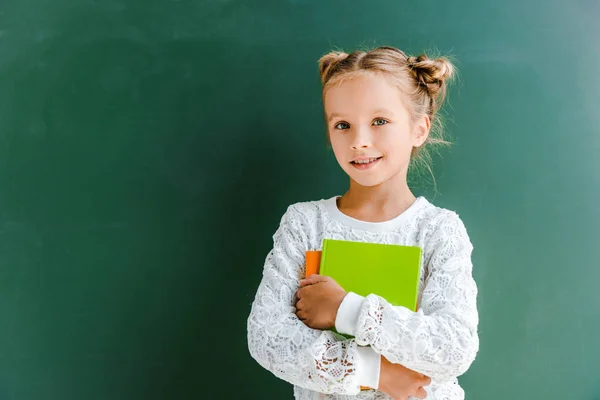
(440, 340)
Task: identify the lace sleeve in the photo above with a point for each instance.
(440, 340)
(318, 360)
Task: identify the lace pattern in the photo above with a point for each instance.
(318, 360)
(440, 340)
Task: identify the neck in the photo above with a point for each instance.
(377, 203)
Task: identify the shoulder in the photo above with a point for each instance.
(441, 217)
(440, 224)
(308, 209)
(308, 216)
(437, 223)
(432, 217)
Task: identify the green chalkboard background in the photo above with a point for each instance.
(149, 148)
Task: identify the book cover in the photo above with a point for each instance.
(387, 270)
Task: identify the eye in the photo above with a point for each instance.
(342, 125)
(379, 122)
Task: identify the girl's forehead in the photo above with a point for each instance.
(362, 93)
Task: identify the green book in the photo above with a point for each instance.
(387, 270)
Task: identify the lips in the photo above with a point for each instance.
(365, 163)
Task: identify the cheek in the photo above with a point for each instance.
(338, 143)
(397, 144)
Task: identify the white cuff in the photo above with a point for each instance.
(347, 314)
(368, 367)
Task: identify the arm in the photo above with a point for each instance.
(282, 344)
(440, 340)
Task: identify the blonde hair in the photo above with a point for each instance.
(423, 80)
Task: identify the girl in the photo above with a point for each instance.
(380, 107)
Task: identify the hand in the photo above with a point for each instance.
(400, 383)
(318, 300)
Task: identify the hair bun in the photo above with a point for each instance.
(328, 62)
(431, 73)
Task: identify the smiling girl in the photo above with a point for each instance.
(381, 111)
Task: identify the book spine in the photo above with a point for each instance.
(416, 305)
(323, 267)
(313, 261)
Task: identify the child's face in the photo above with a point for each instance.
(368, 122)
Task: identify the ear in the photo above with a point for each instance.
(421, 131)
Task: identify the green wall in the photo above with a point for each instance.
(149, 148)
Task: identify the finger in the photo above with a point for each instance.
(301, 315)
(304, 282)
(421, 393)
(311, 280)
(299, 305)
(299, 294)
(426, 381)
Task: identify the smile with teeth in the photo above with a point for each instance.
(366, 160)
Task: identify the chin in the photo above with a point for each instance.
(368, 181)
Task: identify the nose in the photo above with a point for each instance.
(362, 139)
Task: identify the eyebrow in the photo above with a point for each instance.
(383, 111)
(334, 115)
(378, 111)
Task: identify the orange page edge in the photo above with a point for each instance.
(313, 262)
